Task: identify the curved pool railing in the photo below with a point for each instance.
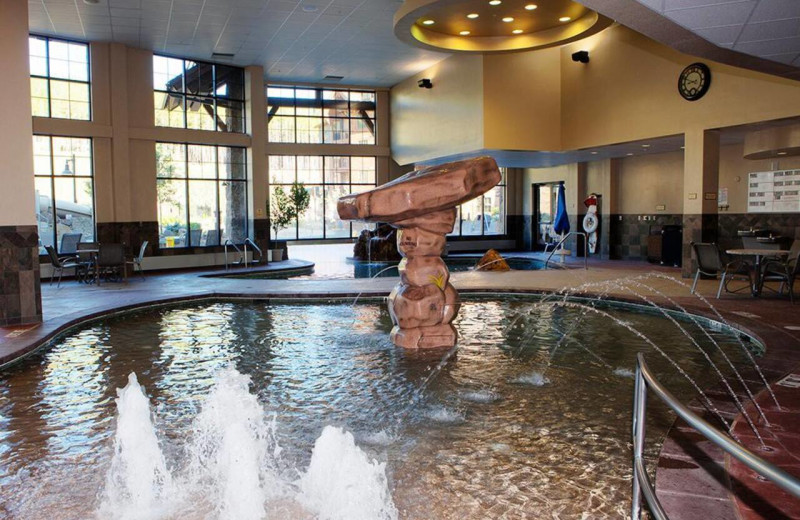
(564, 239)
(641, 482)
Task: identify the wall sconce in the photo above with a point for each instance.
(425, 83)
(581, 56)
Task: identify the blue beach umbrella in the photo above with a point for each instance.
(561, 224)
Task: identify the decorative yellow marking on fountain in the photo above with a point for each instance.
(422, 206)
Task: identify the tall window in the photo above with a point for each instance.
(326, 179)
(202, 195)
(484, 215)
(198, 95)
(59, 78)
(312, 115)
(64, 189)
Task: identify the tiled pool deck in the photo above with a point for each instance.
(694, 478)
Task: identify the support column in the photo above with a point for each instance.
(257, 163)
(700, 186)
(20, 292)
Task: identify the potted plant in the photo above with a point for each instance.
(284, 209)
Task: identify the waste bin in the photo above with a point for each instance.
(665, 245)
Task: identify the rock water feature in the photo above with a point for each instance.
(422, 206)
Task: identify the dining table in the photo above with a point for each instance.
(759, 255)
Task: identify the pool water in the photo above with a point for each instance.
(513, 424)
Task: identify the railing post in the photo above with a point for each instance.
(639, 405)
(226, 255)
(245, 254)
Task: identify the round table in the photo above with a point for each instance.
(759, 255)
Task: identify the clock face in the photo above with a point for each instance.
(694, 81)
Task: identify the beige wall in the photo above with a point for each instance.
(646, 181)
(527, 116)
(17, 204)
(444, 120)
(542, 100)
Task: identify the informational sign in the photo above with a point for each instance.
(774, 192)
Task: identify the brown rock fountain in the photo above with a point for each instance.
(422, 206)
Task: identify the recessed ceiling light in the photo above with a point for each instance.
(517, 31)
(531, 7)
(593, 153)
(564, 19)
(683, 147)
(464, 33)
(782, 153)
(495, 2)
(472, 16)
(310, 8)
(645, 146)
(428, 22)
(508, 19)
(91, 2)
(628, 154)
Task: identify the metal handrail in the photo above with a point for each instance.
(563, 239)
(255, 248)
(226, 244)
(641, 482)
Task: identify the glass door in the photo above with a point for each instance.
(544, 211)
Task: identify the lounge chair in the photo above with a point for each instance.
(136, 262)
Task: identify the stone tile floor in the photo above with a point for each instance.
(694, 477)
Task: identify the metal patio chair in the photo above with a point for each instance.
(69, 245)
(783, 271)
(710, 263)
(111, 262)
(59, 264)
(136, 262)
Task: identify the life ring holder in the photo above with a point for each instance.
(590, 222)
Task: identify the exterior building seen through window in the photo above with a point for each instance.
(326, 178)
(198, 95)
(484, 215)
(202, 195)
(316, 115)
(60, 83)
(64, 188)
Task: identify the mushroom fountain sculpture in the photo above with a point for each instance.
(422, 206)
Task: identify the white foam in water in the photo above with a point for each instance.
(379, 438)
(445, 415)
(234, 470)
(342, 483)
(233, 451)
(481, 396)
(533, 379)
(623, 372)
(138, 484)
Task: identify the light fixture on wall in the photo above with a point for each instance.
(425, 83)
(581, 56)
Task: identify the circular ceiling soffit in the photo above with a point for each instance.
(450, 25)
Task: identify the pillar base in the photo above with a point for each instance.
(437, 336)
(20, 286)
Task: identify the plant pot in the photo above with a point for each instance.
(275, 255)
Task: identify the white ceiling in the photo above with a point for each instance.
(768, 29)
(295, 40)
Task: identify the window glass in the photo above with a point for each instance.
(326, 179)
(306, 115)
(198, 95)
(484, 215)
(59, 78)
(64, 188)
(202, 195)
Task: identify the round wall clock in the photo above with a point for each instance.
(694, 81)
